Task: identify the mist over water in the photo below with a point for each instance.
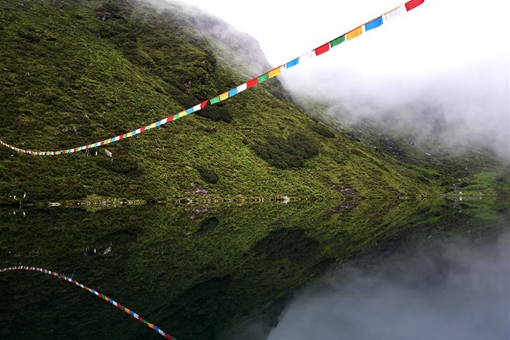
(457, 289)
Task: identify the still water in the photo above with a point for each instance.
(324, 270)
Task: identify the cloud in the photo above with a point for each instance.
(446, 61)
(471, 104)
(458, 290)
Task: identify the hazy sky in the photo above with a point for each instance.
(447, 54)
(438, 34)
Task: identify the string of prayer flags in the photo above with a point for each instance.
(356, 32)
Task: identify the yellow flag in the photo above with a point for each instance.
(355, 33)
(275, 72)
(224, 96)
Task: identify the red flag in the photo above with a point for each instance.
(253, 82)
(413, 4)
(322, 49)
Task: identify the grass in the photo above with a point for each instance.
(70, 78)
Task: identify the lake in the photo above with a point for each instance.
(303, 270)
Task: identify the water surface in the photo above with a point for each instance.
(233, 272)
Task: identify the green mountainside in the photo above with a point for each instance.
(76, 72)
(473, 169)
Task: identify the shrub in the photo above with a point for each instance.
(323, 131)
(208, 175)
(287, 153)
(216, 113)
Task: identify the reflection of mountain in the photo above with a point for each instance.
(193, 278)
(243, 265)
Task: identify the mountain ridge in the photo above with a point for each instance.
(77, 72)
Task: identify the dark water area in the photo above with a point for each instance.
(321, 270)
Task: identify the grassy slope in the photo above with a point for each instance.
(63, 68)
(474, 171)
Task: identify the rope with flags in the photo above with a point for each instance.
(96, 293)
(356, 32)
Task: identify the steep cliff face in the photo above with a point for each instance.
(77, 72)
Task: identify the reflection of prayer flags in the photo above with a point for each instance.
(355, 33)
(274, 72)
(373, 24)
(252, 82)
(263, 78)
(224, 96)
(337, 41)
(215, 100)
(393, 14)
(292, 63)
(413, 4)
(242, 87)
(322, 49)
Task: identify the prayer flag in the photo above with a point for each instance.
(242, 87)
(322, 49)
(252, 82)
(263, 78)
(397, 12)
(355, 33)
(337, 41)
(224, 96)
(204, 104)
(232, 92)
(306, 57)
(275, 72)
(215, 100)
(373, 24)
(413, 4)
(292, 63)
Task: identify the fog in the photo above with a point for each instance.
(440, 71)
(455, 291)
(459, 107)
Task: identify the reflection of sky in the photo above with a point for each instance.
(459, 291)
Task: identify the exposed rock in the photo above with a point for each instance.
(198, 212)
(344, 190)
(344, 206)
(197, 190)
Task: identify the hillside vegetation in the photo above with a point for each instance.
(469, 169)
(76, 72)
